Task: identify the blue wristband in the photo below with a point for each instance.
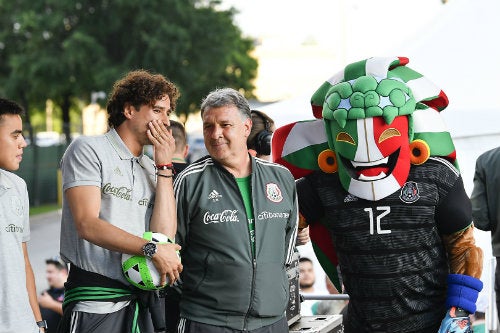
(463, 291)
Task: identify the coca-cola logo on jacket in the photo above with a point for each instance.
(225, 216)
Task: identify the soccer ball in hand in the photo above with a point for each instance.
(139, 270)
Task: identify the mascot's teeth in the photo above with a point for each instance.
(370, 164)
(371, 178)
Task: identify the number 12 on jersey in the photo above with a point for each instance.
(384, 210)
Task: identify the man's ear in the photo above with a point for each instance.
(128, 110)
(248, 126)
(252, 152)
(186, 151)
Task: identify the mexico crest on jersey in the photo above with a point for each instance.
(273, 192)
(409, 192)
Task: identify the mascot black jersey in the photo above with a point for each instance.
(391, 249)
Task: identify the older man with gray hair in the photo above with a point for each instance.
(237, 224)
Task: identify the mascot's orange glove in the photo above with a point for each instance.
(464, 285)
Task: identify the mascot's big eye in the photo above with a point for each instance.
(327, 161)
(419, 152)
(388, 133)
(345, 137)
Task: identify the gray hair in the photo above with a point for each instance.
(226, 96)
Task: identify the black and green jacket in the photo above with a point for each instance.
(223, 283)
(485, 196)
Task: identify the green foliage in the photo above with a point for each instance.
(63, 50)
(43, 209)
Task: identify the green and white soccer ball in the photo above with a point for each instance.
(139, 270)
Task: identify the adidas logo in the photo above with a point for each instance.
(350, 198)
(117, 171)
(214, 196)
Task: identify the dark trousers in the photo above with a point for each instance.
(189, 326)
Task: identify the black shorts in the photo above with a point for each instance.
(115, 322)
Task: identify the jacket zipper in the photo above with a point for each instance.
(254, 265)
(254, 260)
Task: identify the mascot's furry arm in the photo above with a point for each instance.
(464, 256)
(465, 260)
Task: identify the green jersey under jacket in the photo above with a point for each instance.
(223, 283)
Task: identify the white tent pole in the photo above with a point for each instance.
(491, 312)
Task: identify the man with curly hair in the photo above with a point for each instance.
(113, 193)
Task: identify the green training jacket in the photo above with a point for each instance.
(223, 283)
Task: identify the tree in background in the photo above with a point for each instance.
(64, 50)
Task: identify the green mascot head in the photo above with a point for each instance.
(376, 118)
(375, 113)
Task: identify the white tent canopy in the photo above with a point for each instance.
(458, 51)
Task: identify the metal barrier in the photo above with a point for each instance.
(335, 297)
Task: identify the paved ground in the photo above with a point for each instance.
(44, 243)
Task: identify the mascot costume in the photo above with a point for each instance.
(379, 186)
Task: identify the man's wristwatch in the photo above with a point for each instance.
(149, 249)
(42, 324)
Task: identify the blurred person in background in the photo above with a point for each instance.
(307, 278)
(181, 147)
(51, 300)
(259, 140)
(172, 294)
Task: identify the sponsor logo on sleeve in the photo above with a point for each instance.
(14, 228)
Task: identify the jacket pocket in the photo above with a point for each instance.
(194, 273)
(220, 284)
(271, 290)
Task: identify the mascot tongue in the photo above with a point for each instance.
(372, 172)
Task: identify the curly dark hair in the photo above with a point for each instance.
(138, 88)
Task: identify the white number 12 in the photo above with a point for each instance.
(385, 210)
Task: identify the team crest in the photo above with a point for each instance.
(273, 192)
(409, 192)
(17, 205)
